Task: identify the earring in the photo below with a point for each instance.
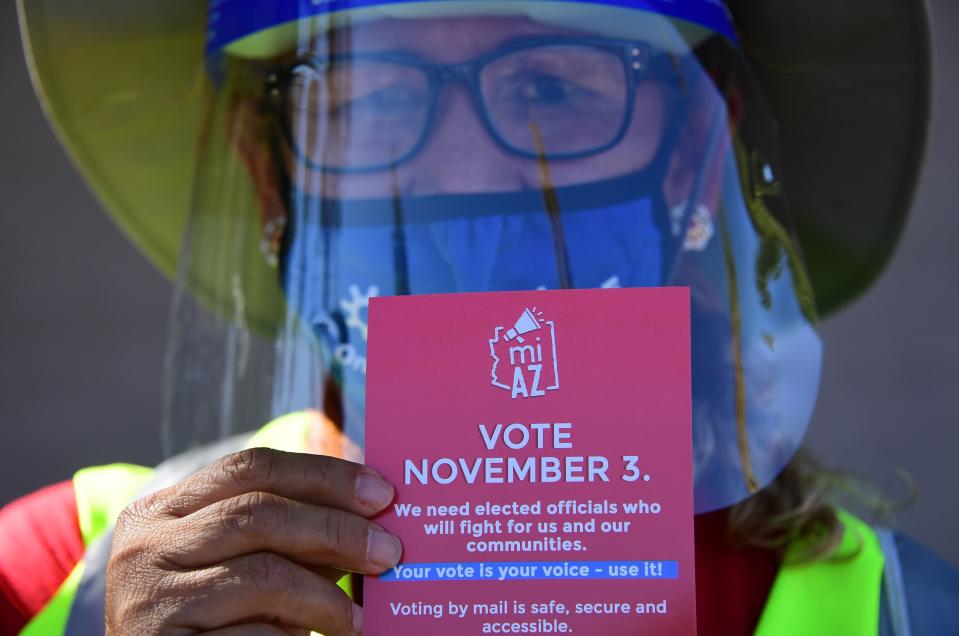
(272, 240)
(699, 226)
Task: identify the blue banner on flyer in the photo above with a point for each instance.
(532, 571)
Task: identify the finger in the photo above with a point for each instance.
(313, 536)
(258, 629)
(315, 479)
(262, 588)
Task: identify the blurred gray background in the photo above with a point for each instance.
(83, 324)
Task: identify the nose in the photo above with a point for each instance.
(460, 156)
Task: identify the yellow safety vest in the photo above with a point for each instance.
(836, 595)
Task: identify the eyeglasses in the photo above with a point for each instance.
(558, 98)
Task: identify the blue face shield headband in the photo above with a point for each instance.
(231, 20)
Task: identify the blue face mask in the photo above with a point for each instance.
(343, 252)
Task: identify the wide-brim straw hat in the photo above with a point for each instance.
(849, 83)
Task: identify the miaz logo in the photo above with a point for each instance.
(524, 356)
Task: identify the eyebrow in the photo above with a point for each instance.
(416, 45)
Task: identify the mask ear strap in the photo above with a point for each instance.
(656, 177)
(401, 274)
(678, 76)
(329, 223)
(286, 196)
(673, 254)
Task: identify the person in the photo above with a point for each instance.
(319, 154)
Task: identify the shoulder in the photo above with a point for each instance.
(40, 544)
(931, 587)
(43, 536)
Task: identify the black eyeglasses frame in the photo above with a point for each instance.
(638, 58)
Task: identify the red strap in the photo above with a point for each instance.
(40, 543)
(731, 585)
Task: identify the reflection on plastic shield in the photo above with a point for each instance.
(250, 341)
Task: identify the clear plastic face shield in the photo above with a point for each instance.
(434, 147)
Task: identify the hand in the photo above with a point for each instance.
(252, 544)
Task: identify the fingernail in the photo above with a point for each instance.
(382, 549)
(357, 619)
(373, 492)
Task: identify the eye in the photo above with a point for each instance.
(396, 99)
(542, 90)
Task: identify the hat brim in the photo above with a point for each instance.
(849, 84)
(122, 85)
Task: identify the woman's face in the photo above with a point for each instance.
(459, 154)
(423, 224)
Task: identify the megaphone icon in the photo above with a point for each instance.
(524, 324)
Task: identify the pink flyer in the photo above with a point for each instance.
(540, 445)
